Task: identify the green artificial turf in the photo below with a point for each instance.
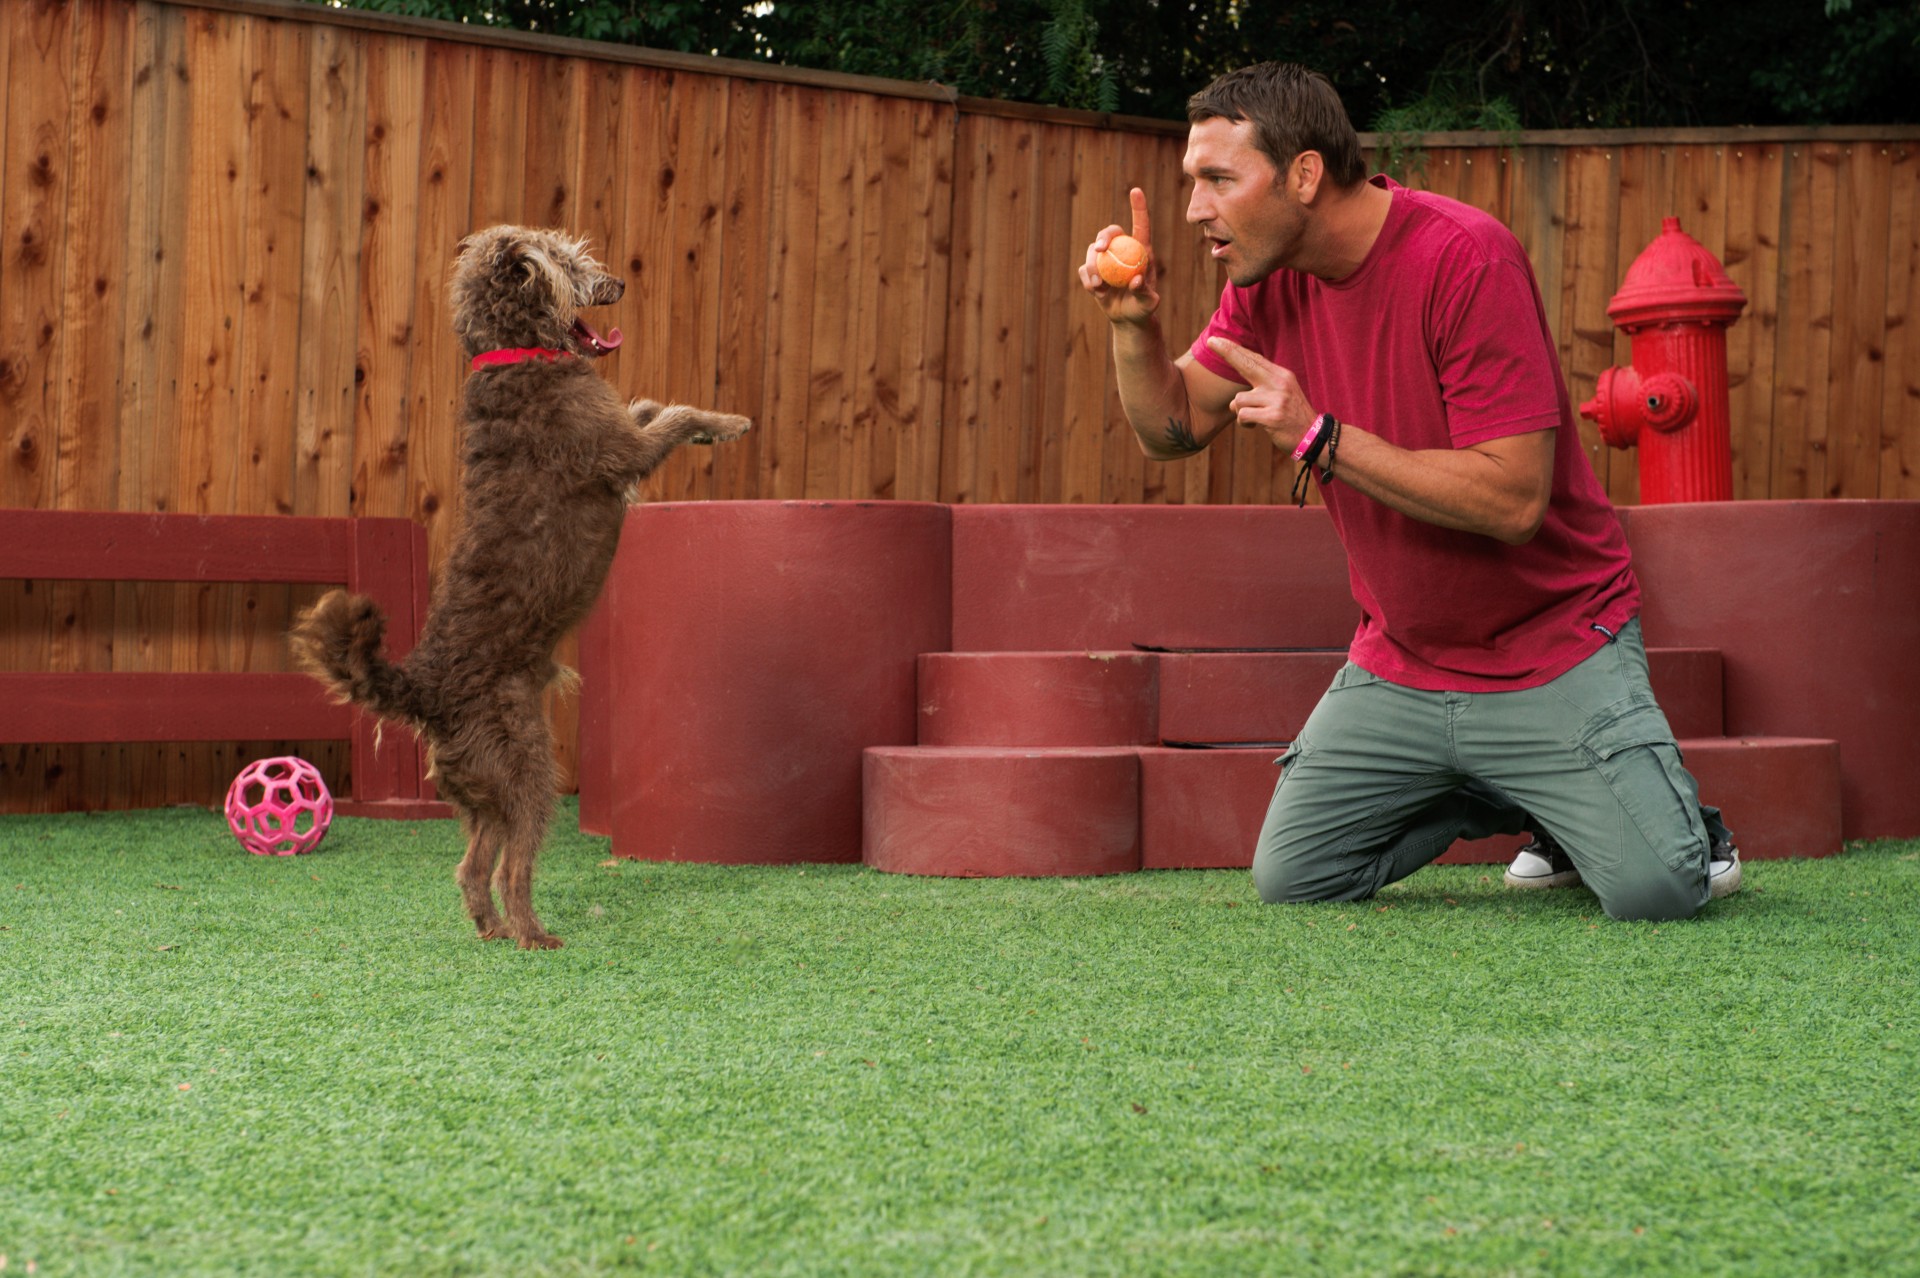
(217, 1063)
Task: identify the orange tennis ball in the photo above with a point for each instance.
(1123, 258)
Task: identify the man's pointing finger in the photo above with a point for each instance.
(1257, 369)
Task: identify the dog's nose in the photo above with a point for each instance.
(612, 289)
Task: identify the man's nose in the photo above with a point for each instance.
(1197, 210)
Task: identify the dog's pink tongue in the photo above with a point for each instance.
(610, 339)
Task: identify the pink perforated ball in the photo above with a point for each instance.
(279, 807)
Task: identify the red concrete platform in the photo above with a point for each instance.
(1101, 578)
(1815, 608)
(1002, 812)
(753, 650)
(1039, 699)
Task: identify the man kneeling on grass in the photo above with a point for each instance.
(1394, 342)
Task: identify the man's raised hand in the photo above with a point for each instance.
(1139, 298)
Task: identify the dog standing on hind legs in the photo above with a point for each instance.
(550, 460)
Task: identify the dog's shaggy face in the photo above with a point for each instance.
(517, 287)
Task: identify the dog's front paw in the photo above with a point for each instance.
(722, 427)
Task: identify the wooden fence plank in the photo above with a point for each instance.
(1900, 394)
(208, 379)
(744, 317)
(935, 135)
(1536, 184)
(1806, 324)
(273, 228)
(1591, 274)
(501, 105)
(649, 210)
(693, 264)
(646, 236)
(799, 119)
(388, 264)
(828, 425)
(13, 20)
(1861, 228)
(1098, 199)
(93, 307)
(93, 315)
(1752, 259)
(892, 327)
(1052, 248)
(330, 275)
(960, 433)
(33, 206)
(438, 359)
(35, 176)
(872, 300)
(1006, 334)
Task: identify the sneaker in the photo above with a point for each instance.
(1723, 870)
(1541, 864)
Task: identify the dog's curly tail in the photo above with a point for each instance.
(338, 641)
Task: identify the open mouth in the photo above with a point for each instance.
(594, 343)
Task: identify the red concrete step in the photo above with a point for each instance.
(1227, 697)
(1779, 795)
(1241, 696)
(1136, 698)
(1689, 685)
(1039, 699)
(1001, 812)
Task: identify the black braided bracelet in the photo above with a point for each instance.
(1333, 447)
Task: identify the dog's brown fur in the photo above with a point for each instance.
(550, 460)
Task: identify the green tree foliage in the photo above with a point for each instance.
(1400, 64)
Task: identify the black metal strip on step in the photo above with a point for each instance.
(1227, 745)
(1148, 647)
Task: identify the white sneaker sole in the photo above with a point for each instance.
(1566, 878)
(1726, 885)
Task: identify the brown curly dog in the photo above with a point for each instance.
(550, 459)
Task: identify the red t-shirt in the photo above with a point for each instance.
(1440, 340)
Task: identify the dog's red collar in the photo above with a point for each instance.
(516, 355)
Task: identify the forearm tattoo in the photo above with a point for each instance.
(1179, 438)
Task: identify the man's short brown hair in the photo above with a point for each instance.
(1293, 109)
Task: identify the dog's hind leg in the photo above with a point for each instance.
(475, 876)
(526, 830)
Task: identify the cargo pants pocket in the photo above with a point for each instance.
(1632, 747)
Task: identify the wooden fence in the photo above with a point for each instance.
(225, 228)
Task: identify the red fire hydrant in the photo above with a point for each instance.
(1676, 304)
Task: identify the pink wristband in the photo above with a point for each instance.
(1306, 440)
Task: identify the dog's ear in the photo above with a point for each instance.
(543, 274)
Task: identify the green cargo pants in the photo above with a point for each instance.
(1384, 778)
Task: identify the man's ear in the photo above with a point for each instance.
(1305, 175)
